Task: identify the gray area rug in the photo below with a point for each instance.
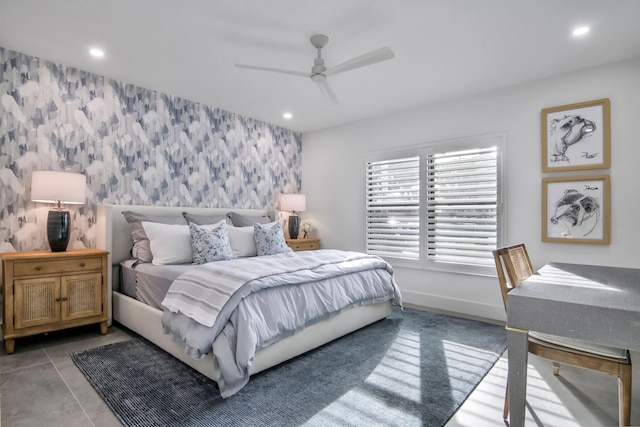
(413, 368)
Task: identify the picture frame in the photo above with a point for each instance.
(576, 209)
(576, 136)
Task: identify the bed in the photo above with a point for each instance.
(113, 234)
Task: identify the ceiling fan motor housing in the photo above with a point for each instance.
(318, 77)
(319, 40)
(318, 68)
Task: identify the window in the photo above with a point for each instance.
(393, 208)
(436, 206)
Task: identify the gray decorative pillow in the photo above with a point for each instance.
(206, 219)
(209, 245)
(240, 220)
(270, 240)
(141, 249)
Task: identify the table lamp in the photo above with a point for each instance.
(293, 203)
(58, 187)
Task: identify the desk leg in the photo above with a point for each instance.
(518, 345)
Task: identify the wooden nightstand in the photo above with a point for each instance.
(48, 291)
(303, 244)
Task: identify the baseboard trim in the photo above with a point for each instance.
(455, 307)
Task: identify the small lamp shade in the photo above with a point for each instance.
(294, 203)
(58, 188)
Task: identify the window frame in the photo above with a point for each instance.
(422, 151)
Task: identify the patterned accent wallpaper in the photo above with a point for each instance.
(135, 146)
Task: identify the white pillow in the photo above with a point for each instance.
(241, 239)
(170, 243)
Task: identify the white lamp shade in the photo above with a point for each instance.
(58, 187)
(293, 202)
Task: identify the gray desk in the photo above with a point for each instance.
(590, 303)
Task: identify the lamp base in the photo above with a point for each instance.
(58, 224)
(294, 226)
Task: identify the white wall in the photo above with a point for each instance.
(333, 179)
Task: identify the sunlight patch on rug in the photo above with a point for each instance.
(398, 373)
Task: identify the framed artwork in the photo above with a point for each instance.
(576, 136)
(576, 209)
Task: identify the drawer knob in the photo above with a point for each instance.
(64, 298)
(38, 267)
(57, 299)
(82, 264)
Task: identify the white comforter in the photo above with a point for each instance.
(240, 306)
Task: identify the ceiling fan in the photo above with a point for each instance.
(319, 72)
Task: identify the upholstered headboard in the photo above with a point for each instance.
(114, 235)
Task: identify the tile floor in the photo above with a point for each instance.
(41, 386)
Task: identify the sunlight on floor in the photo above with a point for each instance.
(356, 405)
(544, 406)
(551, 401)
(398, 373)
(460, 357)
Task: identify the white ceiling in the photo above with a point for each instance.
(444, 48)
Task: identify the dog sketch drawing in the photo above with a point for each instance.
(574, 210)
(567, 131)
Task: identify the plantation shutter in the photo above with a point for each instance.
(393, 203)
(462, 206)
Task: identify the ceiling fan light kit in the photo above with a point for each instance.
(319, 71)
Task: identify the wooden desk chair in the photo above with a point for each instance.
(514, 266)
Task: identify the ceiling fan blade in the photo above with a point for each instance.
(275, 70)
(326, 89)
(372, 57)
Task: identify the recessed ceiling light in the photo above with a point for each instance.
(98, 53)
(580, 31)
(287, 115)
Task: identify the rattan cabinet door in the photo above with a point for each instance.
(81, 296)
(37, 301)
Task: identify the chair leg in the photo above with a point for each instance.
(556, 368)
(505, 410)
(624, 395)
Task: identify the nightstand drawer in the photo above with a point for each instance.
(303, 244)
(35, 267)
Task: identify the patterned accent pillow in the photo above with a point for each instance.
(270, 240)
(209, 244)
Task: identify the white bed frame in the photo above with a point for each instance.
(113, 235)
